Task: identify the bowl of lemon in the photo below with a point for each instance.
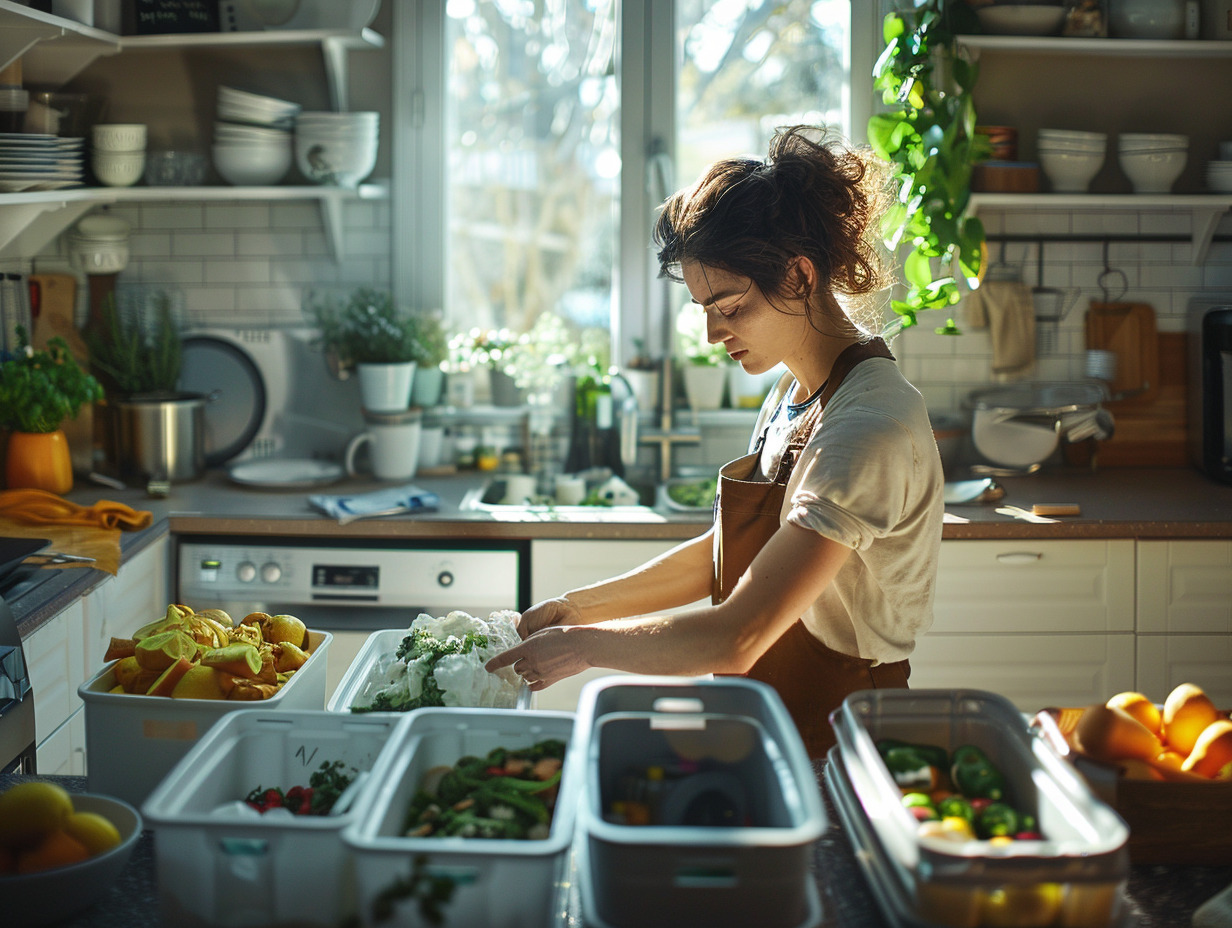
(60, 853)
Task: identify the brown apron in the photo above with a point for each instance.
(811, 679)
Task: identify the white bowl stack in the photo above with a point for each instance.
(253, 138)
(1219, 176)
(119, 153)
(1071, 158)
(338, 149)
(1152, 160)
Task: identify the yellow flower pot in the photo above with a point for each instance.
(38, 461)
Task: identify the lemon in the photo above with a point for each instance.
(30, 811)
(95, 832)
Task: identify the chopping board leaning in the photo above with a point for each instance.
(57, 316)
(1128, 331)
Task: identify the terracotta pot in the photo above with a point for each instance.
(38, 461)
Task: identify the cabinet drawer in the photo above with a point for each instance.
(1035, 586)
(1185, 586)
(1164, 661)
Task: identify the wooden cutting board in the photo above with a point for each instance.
(58, 316)
(1128, 331)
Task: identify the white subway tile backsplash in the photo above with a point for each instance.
(238, 271)
(202, 303)
(237, 216)
(295, 215)
(269, 242)
(202, 244)
(172, 216)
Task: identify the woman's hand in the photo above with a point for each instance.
(550, 612)
(544, 658)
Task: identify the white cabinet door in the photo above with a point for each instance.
(1185, 586)
(137, 595)
(1035, 587)
(55, 655)
(558, 566)
(1164, 661)
(1032, 671)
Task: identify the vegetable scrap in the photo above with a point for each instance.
(324, 788)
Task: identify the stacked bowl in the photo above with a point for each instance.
(253, 137)
(1152, 160)
(1219, 176)
(119, 153)
(1071, 158)
(338, 149)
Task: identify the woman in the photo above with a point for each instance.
(822, 559)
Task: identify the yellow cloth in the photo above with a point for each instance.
(102, 544)
(1006, 308)
(38, 507)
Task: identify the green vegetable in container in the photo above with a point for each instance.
(974, 774)
(997, 820)
(957, 807)
(911, 769)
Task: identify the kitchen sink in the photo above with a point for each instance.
(489, 498)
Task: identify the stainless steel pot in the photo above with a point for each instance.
(156, 438)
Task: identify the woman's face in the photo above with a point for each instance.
(757, 333)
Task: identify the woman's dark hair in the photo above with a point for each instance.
(813, 198)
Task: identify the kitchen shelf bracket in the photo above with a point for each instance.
(52, 49)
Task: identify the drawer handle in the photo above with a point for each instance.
(1019, 557)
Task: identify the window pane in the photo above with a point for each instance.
(749, 66)
(532, 155)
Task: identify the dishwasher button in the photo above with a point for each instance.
(271, 572)
(445, 578)
(246, 572)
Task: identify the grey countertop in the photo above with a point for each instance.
(1159, 896)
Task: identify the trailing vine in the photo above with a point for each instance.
(929, 137)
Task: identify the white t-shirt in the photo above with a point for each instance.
(870, 478)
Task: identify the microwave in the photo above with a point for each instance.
(1210, 389)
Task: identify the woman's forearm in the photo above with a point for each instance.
(676, 578)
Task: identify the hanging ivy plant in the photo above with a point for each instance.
(929, 136)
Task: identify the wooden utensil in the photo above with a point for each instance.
(1128, 331)
(57, 316)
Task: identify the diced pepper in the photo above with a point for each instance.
(920, 806)
(974, 775)
(917, 799)
(910, 770)
(998, 819)
(957, 806)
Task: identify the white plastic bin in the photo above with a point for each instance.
(380, 644)
(736, 814)
(133, 741)
(239, 871)
(497, 883)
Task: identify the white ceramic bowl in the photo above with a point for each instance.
(1078, 147)
(1132, 141)
(1022, 19)
(118, 168)
(252, 165)
(1070, 172)
(93, 256)
(116, 136)
(333, 162)
(1074, 136)
(1152, 172)
(58, 894)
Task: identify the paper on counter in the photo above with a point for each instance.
(391, 502)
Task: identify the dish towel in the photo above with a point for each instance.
(38, 507)
(1006, 309)
(392, 502)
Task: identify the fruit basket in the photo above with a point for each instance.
(220, 863)
(133, 741)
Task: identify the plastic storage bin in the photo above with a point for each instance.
(237, 871)
(498, 883)
(1075, 876)
(132, 742)
(733, 814)
(379, 644)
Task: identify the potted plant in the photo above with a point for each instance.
(430, 359)
(705, 365)
(479, 349)
(150, 429)
(929, 137)
(643, 373)
(39, 389)
(367, 331)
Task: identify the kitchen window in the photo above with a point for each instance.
(534, 140)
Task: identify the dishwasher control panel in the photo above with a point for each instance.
(356, 576)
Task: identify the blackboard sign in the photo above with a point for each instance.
(160, 17)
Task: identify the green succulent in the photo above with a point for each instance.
(40, 388)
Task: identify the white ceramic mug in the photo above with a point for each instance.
(518, 489)
(393, 447)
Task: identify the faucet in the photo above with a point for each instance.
(626, 421)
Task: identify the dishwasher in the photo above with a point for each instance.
(349, 589)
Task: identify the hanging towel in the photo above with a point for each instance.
(1006, 308)
(38, 507)
(391, 502)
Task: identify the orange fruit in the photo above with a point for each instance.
(1212, 754)
(31, 810)
(1187, 711)
(1140, 708)
(93, 831)
(57, 849)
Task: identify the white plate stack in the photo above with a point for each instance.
(338, 149)
(30, 161)
(1219, 176)
(253, 138)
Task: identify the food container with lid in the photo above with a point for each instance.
(699, 806)
(1074, 875)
